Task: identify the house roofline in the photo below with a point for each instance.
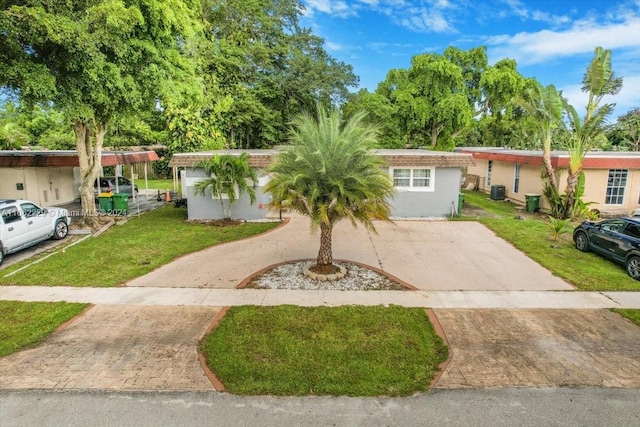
(559, 159)
(69, 158)
(394, 158)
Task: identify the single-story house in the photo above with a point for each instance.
(612, 179)
(51, 177)
(427, 183)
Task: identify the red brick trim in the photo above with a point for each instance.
(215, 382)
(440, 332)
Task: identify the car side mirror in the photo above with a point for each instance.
(45, 212)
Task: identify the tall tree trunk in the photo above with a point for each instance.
(434, 136)
(570, 192)
(325, 258)
(90, 161)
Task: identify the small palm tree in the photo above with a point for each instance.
(228, 174)
(329, 174)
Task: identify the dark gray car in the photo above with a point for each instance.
(617, 239)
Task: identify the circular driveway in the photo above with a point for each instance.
(430, 255)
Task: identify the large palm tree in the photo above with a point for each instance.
(329, 173)
(229, 176)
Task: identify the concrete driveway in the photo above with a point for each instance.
(430, 255)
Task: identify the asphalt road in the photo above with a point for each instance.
(489, 407)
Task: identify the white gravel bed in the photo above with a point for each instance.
(290, 276)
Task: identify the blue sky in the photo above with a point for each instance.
(551, 40)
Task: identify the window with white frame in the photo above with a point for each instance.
(417, 179)
(489, 167)
(616, 185)
(516, 177)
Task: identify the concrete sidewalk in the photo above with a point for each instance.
(146, 296)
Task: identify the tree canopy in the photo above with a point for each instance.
(98, 60)
(441, 100)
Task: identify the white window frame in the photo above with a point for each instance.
(412, 187)
(489, 168)
(616, 174)
(516, 177)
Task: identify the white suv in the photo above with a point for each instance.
(24, 224)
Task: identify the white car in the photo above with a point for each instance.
(24, 224)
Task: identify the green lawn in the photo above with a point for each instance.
(587, 271)
(350, 351)
(129, 250)
(25, 324)
(156, 184)
(633, 315)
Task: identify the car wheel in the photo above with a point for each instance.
(582, 241)
(633, 267)
(61, 230)
(1, 255)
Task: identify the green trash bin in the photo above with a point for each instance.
(105, 201)
(121, 203)
(532, 202)
(460, 203)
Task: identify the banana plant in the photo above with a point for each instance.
(544, 105)
(599, 81)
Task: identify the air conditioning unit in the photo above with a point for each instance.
(497, 192)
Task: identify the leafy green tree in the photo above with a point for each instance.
(447, 99)
(270, 67)
(625, 133)
(381, 113)
(599, 81)
(97, 60)
(329, 174)
(34, 125)
(229, 176)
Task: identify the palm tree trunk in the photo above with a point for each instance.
(325, 258)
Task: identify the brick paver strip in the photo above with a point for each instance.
(117, 348)
(539, 348)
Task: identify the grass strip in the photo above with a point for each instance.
(631, 314)
(347, 351)
(25, 324)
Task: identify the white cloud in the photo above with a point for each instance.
(337, 8)
(427, 21)
(519, 9)
(582, 37)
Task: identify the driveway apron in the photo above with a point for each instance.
(117, 348)
(539, 348)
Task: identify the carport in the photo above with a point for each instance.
(50, 177)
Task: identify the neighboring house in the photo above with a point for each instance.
(53, 177)
(612, 179)
(427, 183)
